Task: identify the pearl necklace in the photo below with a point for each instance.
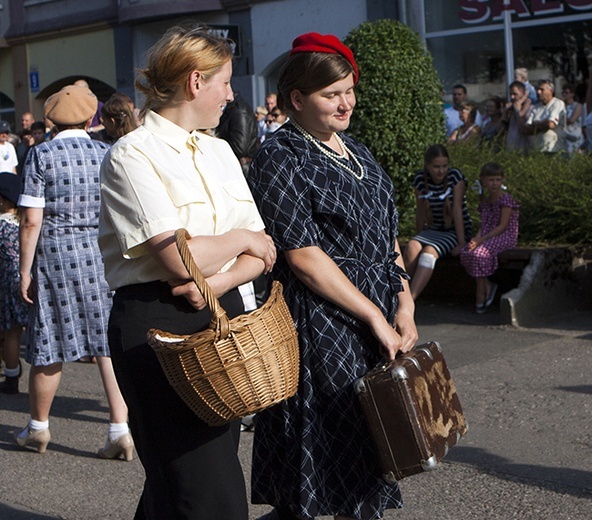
(334, 156)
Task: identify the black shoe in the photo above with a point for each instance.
(9, 385)
(491, 295)
(247, 423)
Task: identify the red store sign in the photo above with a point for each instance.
(480, 11)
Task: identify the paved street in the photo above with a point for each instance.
(527, 394)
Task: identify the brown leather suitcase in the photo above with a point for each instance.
(413, 412)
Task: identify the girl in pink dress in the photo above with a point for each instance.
(499, 232)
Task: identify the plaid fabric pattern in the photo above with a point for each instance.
(70, 317)
(482, 261)
(313, 453)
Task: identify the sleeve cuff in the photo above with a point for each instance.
(27, 201)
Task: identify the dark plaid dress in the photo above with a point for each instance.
(313, 453)
(72, 305)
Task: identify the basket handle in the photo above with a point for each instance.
(220, 321)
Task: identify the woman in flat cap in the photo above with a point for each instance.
(163, 176)
(330, 209)
(61, 270)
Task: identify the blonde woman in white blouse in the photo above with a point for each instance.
(163, 176)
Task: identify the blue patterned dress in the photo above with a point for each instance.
(13, 311)
(73, 301)
(313, 453)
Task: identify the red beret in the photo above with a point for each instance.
(327, 43)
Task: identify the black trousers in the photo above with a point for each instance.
(192, 469)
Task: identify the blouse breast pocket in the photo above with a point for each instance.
(239, 205)
(238, 191)
(185, 193)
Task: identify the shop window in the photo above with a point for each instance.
(557, 51)
(475, 60)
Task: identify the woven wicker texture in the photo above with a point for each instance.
(235, 367)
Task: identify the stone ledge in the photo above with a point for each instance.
(535, 283)
(555, 280)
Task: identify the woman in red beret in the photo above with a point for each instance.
(330, 209)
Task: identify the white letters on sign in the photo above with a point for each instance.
(479, 11)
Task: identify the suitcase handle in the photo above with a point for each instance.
(425, 347)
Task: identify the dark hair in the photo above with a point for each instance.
(118, 108)
(460, 85)
(569, 86)
(37, 125)
(56, 129)
(492, 169)
(433, 152)
(519, 85)
(436, 150)
(472, 109)
(499, 104)
(309, 72)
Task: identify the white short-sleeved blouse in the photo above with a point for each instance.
(152, 182)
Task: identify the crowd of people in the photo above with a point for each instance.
(534, 118)
(89, 263)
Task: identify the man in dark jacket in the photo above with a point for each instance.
(238, 126)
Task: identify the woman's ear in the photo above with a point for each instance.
(193, 84)
(296, 98)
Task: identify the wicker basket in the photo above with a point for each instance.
(234, 367)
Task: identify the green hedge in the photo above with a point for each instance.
(399, 114)
(554, 192)
(399, 111)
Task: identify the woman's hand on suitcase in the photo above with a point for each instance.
(389, 340)
(405, 326)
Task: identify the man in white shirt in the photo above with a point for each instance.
(546, 123)
(8, 158)
(451, 114)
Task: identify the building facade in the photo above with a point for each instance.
(479, 42)
(46, 44)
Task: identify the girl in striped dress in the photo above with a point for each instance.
(443, 224)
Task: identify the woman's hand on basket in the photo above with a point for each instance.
(261, 246)
(189, 291)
